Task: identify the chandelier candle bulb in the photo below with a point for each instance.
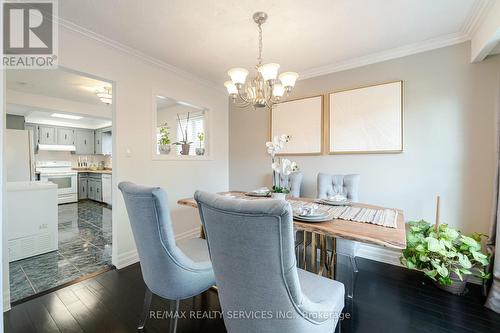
(231, 88)
(269, 72)
(278, 90)
(238, 76)
(288, 79)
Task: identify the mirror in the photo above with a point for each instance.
(180, 129)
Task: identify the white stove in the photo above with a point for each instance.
(61, 174)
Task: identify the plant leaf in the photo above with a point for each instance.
(433, 244)
(432, 274)
(464, 261)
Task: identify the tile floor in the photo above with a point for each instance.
(84, 247)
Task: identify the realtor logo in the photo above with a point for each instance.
(29, 34)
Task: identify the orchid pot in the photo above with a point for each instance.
(185, 147)
(164, 149)
(200, 151)
(279, 196)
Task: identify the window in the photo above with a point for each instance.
(195, 126)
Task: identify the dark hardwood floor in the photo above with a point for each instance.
(388, 299)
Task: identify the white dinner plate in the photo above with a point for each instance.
(323, 216)
(258, 194)
(335, 203)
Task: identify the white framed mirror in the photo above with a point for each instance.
(180, 130)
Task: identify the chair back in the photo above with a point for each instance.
(294, 182)
(329, 185)
(166, 270)
(251, 246)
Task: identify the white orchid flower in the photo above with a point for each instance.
(276, 167)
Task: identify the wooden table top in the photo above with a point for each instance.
(362, 232)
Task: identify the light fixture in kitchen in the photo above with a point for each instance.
(105, 95)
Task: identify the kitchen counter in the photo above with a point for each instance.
(105, 171)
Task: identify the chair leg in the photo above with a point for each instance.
(174, 308)
(354, 275)
(145, 309)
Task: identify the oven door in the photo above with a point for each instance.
(66, 183)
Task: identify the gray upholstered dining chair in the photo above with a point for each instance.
(172, 271)
(329, 185)
(251, 247)
(294, 182)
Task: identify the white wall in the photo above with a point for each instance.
(449, 134)
(135, 80)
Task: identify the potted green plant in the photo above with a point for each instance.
(201, 137)
(445, 255)
(164, 141)
(184, 143)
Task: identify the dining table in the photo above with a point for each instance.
(321, 237)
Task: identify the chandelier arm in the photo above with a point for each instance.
(246, 100)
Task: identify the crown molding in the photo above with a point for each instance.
(476, 15)
(430, 44)
(72, 27)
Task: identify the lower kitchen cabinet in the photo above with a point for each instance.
(92, 185)
(82, 187)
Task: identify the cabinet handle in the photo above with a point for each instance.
(85, 141)
(47, 135)
(65, 136)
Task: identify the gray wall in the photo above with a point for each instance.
(14, 122)
(449, 132)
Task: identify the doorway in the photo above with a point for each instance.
(59, 179)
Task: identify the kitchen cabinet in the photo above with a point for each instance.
(65, 136)
(98, 141)
(103, 141)
(33, 128)
(107, 189)
(47, 135)
(84, 142)
(82, 186)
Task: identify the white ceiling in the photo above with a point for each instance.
(60, 84)
(206, 38)
(56, 83)
(44, 116)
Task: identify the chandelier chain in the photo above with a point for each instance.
(260, 45)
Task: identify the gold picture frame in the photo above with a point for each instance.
(294, 118)
(350, 114)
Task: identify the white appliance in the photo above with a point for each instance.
(19, 154)
(61, 174)
(31, 213)
(106, 189)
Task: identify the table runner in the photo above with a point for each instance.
(383, 217)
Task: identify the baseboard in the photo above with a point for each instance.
(385, 255)
(6, 300)
(131, 257)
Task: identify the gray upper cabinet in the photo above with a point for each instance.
(33, 128)
(84, 142)
(98, 141)
(65, 136)
(47, 135)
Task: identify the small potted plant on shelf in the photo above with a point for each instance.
(201, 137)
(445, 255)
(164, 141)
(184, 143)
(281, 166)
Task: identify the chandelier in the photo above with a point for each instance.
(266, 88)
